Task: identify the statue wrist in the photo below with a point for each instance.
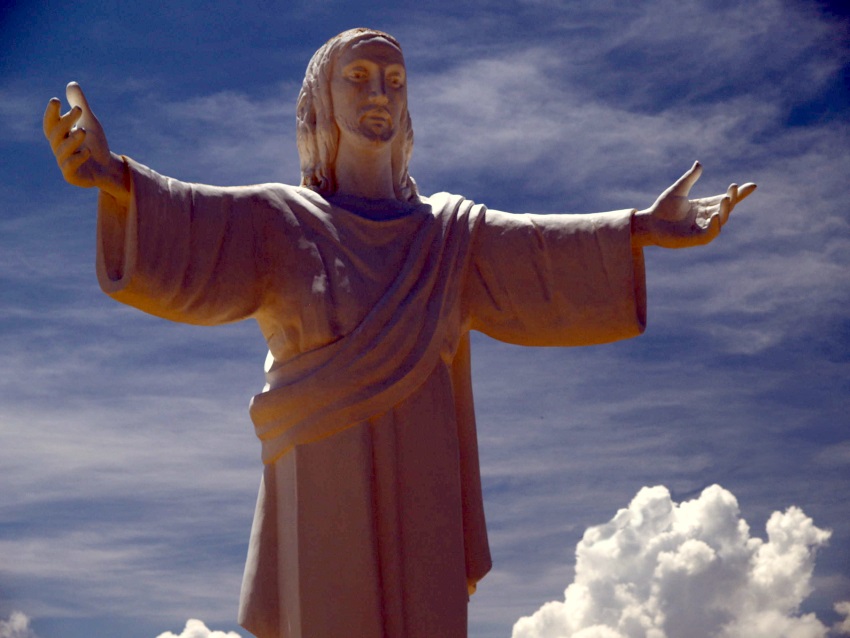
(642, 229)
(117, 179)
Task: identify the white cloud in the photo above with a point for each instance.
(843, 627)
(18, 626)
(659, 569)
(197, 629)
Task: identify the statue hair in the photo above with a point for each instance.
(317, 134)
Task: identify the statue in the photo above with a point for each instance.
(369, 520)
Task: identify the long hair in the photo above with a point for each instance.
(317, 134)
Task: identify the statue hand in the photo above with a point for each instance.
(674, 221)
(80, 146)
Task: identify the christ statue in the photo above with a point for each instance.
(369, 521)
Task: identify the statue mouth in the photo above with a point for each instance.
(378, 114)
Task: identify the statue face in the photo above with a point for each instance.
(369, 91)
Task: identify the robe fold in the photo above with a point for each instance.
(369, 520)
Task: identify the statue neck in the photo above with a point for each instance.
(364, 169)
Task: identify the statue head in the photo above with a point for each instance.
(317, 133)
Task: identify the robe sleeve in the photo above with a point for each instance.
(556, 280)
(185, 252)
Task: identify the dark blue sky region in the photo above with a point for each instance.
(128, 464)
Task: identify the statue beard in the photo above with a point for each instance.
(369, 129)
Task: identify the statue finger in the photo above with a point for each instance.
(64, 127)
(725, 209)
(76, 97)
(702, 233)
(713, 230)
(51, 116)
(746, 190)
(70, 144)
(683, 185)
(70, 165)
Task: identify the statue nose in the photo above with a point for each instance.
(379, 98)
(378, 91)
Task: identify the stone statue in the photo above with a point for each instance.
(369, 520)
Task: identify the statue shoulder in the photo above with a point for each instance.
(290, 201)
(445, 204)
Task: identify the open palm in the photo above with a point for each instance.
(674, 221)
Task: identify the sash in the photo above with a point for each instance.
(388, 355)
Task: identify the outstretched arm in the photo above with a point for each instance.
(81, 149)
(674, 221)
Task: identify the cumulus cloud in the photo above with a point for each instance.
(197, 629)
(659, 569)
(18, 626)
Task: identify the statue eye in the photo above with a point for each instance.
(395, 81)
(358, 74)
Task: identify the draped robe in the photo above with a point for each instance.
(369, 520)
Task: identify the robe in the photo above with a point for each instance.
(369, 520)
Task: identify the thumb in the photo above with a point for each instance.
(683, 185)
(76, 97)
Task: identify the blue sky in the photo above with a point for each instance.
(128, 466)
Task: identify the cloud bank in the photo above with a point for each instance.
(18, 626)
(197, 629)
(660, 569)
